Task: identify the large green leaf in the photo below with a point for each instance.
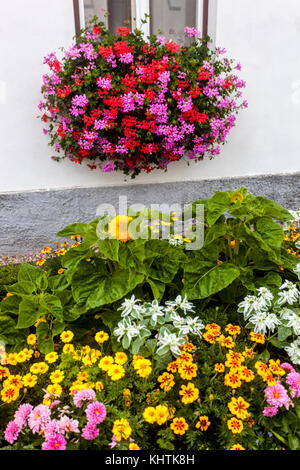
(50, 303)
(110, 248)
(28, 313)
(271, 232)
(212, 281)
(44, 338)
(21, 288)
(114, 287)
(260, 207)
(29, 273)
(74, 229)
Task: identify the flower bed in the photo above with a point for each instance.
(123, 102)
(140, 343)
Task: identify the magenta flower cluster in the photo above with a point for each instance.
(281, 395)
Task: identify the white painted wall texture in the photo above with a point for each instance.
(263, 35)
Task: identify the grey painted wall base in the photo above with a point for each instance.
(30, 220)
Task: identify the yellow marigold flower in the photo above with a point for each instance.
(213, 329)
(235, 425)
(126, 392)
(40, 262)
(179, 426)
(99, 386)
(275, 368)
(57, 376)
(28, 352)
(188, 347)
(262, 368)
(106, 362)
(9, 394)
(149, 414)
(121, 358)
(143, 367)
(40, 320)
(166, 381)
(4, 372)
(233, 329)
(235, 356)
(270, 379)
(116, 372)
(238, 407)
(257, 337)
(219, 367)
(187, 371)
(31, 340)
(237, 447)
(232, 380)
(249, 352)
(68, 348)
(246, 374)
(43, 367)
(47, 401)
(29, 380)
(235, 197)
(67, 336)
(189, 393)
(135, 359)
(162, 414)
(172, 367)
(46, 250)
(101, 337)
(13, 381)
(51, 357)
(203, 423)
(60, 271)
(118, 228)
(133, 446)
(210, 338)
(54, 389)
(121, 429)
(184, 357)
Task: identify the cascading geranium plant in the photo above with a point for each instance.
(130, 103)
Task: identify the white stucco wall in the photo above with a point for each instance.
(263, 34)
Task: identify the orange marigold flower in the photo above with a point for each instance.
(233, 380)
(203, 423)
(233, 329)
(257, 337)
(238, 407)
(187, 371)
(235, 425)
(179, 426)
(219, 367)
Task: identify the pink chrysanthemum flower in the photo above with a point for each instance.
(96, 412)
(90, 431)
(82, 396)
(51, 429)
(270, 411)
(277, 396)
(39, 418)
(57, 442)
(287, 366)
(22, 414)
(67, 425)
(11, 432)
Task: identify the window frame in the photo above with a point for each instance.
(141, 7)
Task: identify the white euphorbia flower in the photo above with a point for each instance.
(181, 303)
(250, 304)
(266, 295)
(155, 312)
(292, 318)
(194, 325)
(289, 293)
(129, 305)
(170, 340)
(293, 351)
(126, 327)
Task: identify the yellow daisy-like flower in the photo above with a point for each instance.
(101, 337)
(12, 359)
(238, 407)
(68, 348)
(4, 372)
(143, 367)
(121, 429)
(99, 386)
(133, 446)
(257, 337)
(29, 380)
(249, 352)
(232, 380)
(13, 381)
(118, 228)
(189, 393)
(43, 367)
(31, 340)
(57, 376)
(275, 367)
(213, 328)
(246, 374)
(106, 362)
(235, 425)
(116, 372)
(209, 337)
(83, 375)
(188, 371)
(149, 414)
(51, 357)
(22, 357)
(179, 426)
(40, 262)
(162, 414)
(54, 389)
(203, 423)
(121, 358)
(233, 329)
(46, 250)
(67, 336)
(237, 197)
